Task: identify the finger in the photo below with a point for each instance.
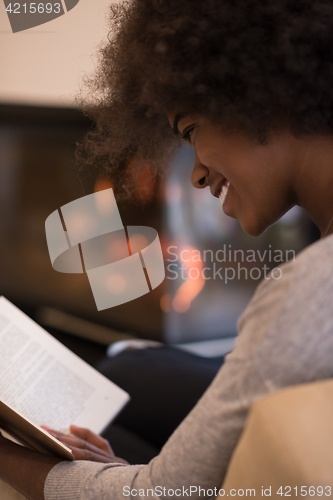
(92, 456)
(57, 434)
(53, 431)
(77, 442)
(102, 445)
(61, 436)
(84, 454)
(81, 444)
(91, 438)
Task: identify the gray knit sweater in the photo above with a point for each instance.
(285, 338)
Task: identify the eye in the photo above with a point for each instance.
(187, 133)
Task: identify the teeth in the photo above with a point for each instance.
(224, 191)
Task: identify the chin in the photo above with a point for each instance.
(253, 228)
(253, 222)
(256, 223)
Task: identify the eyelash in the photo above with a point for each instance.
(187, 135)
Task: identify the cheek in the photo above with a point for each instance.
(257, 202)
(212, 151)
(257, 181)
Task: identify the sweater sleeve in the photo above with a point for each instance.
(266, 358)
(196, 455)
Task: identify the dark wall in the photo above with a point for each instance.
(38, 174)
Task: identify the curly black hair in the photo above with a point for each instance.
(252, 64)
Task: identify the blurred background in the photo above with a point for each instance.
(41, 70)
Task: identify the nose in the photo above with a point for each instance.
(199, 176)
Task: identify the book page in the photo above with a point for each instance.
(22, 431)
(47, 383)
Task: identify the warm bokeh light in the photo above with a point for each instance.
(80, 225)
(138, 242)
(181, 303)
(104, 204)
(117, 249)
(174, 193)
(165, 303)
(116, 284)
(145, 182)
(103, 183)
(194, 282)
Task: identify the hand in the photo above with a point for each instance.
(86, 445)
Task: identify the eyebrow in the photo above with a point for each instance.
(178, 117)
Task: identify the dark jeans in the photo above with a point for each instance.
(164, 385)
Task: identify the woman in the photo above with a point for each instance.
(249, 85)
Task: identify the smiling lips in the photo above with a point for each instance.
(224, 190)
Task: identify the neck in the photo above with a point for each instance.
(314, 181)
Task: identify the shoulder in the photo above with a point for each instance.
(311, 267)
(315, 260)
(302, 288)
(309, 276)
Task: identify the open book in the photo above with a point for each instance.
(44, 383)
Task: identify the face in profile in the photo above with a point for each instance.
(254, 181)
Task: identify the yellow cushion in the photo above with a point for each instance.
(288, 442)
